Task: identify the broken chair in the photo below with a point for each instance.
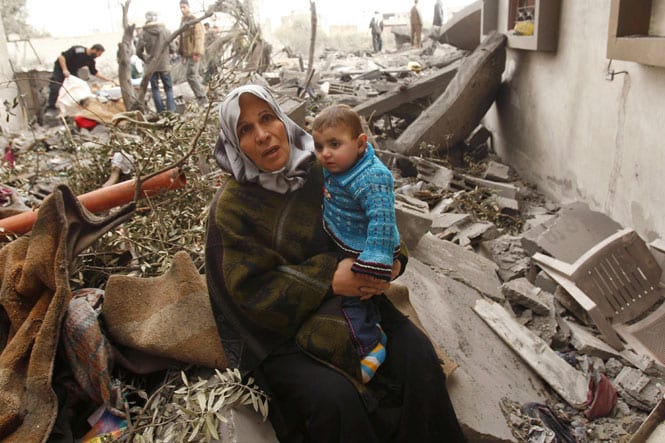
(617, 282)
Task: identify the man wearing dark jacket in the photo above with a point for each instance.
(69, 62)
(153, 36)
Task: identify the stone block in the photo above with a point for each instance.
(502, 189)
(476, 232)
(442, 222)
(497, 172)
(587, 343)
(507, 252)
(412, 222)
(523, 293)
(507, 205)
(637, 389)
(433, 173)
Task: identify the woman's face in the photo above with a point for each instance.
(261, 134)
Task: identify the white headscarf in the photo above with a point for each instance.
(230, 157)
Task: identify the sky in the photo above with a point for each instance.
(104, 16)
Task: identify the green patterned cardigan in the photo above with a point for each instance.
(269, 266)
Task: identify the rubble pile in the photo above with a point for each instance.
(462, 212)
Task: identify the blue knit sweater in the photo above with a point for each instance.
(359, 215)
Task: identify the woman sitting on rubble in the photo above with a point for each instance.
(272, 274)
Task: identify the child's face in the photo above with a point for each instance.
(337, 149)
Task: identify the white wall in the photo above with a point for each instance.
(563, 126)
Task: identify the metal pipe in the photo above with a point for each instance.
(102, 199)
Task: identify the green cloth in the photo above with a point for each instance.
(269, 266)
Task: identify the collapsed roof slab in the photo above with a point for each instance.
(457, 112)
(463, 30)
(431, 87)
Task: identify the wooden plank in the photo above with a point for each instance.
(568, 382)
(432, 86)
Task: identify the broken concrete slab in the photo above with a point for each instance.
(574, 231)
(447, 220)
(430, 87)
(507, 205)
(402, 163)
(460, 264)
(413, 220)
(497, 172)
(587, 343)
(478, 143)
(487, 368)
(473, 233)
(568, 382)
(525, 294)
(433, 173)
(507, 190)
(463, 29)
(452, 117)
(507, 252)
(637, 389)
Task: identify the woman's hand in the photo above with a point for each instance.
(348, 283)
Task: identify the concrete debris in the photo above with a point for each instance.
(497, 172)
(463, 30)
(639, 390)
(469, 222)
(507, 252)
(413, 220)
(520, 291)
(454, 115)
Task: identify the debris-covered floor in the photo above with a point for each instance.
(456, 193)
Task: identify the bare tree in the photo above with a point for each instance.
(245, 29)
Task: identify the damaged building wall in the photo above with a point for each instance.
(10, 120)
(578, 135)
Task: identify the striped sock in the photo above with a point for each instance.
(371, 362)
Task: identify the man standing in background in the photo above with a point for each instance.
(416, 26)
(153, 36)
(376, 25)
(192, 42)
(438, 13)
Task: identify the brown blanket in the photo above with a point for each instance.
(34, 293)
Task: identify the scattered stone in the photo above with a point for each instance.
(497, 172)
(507, 190)
(507, 252)
(523, 293)
(448, 220)
(433, 173)
(412, 221)
(475, 232)
(508, 206)
(637, 389)
(612, 367)
(586, 343)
